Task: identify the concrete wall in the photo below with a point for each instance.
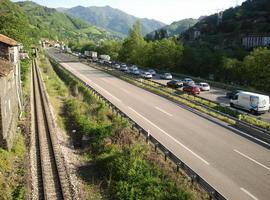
(8, 110)
(10, 96)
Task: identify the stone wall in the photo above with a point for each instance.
(8, 109)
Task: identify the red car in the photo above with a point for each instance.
(192, 89)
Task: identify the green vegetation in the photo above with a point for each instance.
(190, 100)
(125, 169)
(252, 17)
(112, 19)
(13, 22)
(12, 171)
(49, 23)
(174, 29)
(234, 66)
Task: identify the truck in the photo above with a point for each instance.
(105, 57)
(91, 54)
(252, 102)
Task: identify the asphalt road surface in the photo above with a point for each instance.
(217, 95)
(237, 167)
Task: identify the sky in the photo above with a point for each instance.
(165, 11)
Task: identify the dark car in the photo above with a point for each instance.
(175, 84)
(231, 94)
(192, 89)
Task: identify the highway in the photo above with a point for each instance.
(215, 94)
(235, 166)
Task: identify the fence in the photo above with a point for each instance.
(195, 178)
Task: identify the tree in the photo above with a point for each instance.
(164, 53)
(257, 68)
(110, 47)
(13, 22)
(133, 49)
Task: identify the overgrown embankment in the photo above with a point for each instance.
(12, 163)
(119, 164)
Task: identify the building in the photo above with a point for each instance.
(10, 92)
(252, 41)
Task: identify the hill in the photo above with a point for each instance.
(252, 17)
(49, 23)
(173, 29)
(13, 22)
(112, 19)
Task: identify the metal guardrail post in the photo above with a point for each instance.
(167, 154)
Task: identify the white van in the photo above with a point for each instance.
(255, 103)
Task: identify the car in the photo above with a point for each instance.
(116, 66)
(146, 75)
(166, 76)
(101, 61)
(152, 72)
(192, 89)
(231, 94)
(129, 71)
(136, 72)
(108, 63)
(204, 86)
(134, 67)
(123, 67)
(188, 82)
(175, 84)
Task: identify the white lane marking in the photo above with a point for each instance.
(245, 134)
(161, 110)
(101, 88)
(249, 194)
(252, 159)
(196, 155)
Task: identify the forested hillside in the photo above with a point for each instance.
(112, 19)
(28, 22)
(13, 22)
(252, 17)
(49, 23)
(173, 29)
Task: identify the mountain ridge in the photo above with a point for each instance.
(50, 23)
(175, 28)
(113, 19)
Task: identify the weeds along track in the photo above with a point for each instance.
(53, 182)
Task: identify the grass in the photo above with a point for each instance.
(87, 113)
(13, 163)
(191, 101)
(12, 171)
(165, 92)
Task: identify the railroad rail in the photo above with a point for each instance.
(53, 181)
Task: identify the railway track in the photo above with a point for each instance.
(53, 182)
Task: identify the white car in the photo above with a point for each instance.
(152, 72)
(124, 67)
(134, 67)
(146, 75)
(117, 66)
(204, 86)
(188, 82)
(166, 76)
(136, 72)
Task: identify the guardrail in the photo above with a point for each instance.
(195, 178)
(254, 131)
(214, 83)
(250, 130)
